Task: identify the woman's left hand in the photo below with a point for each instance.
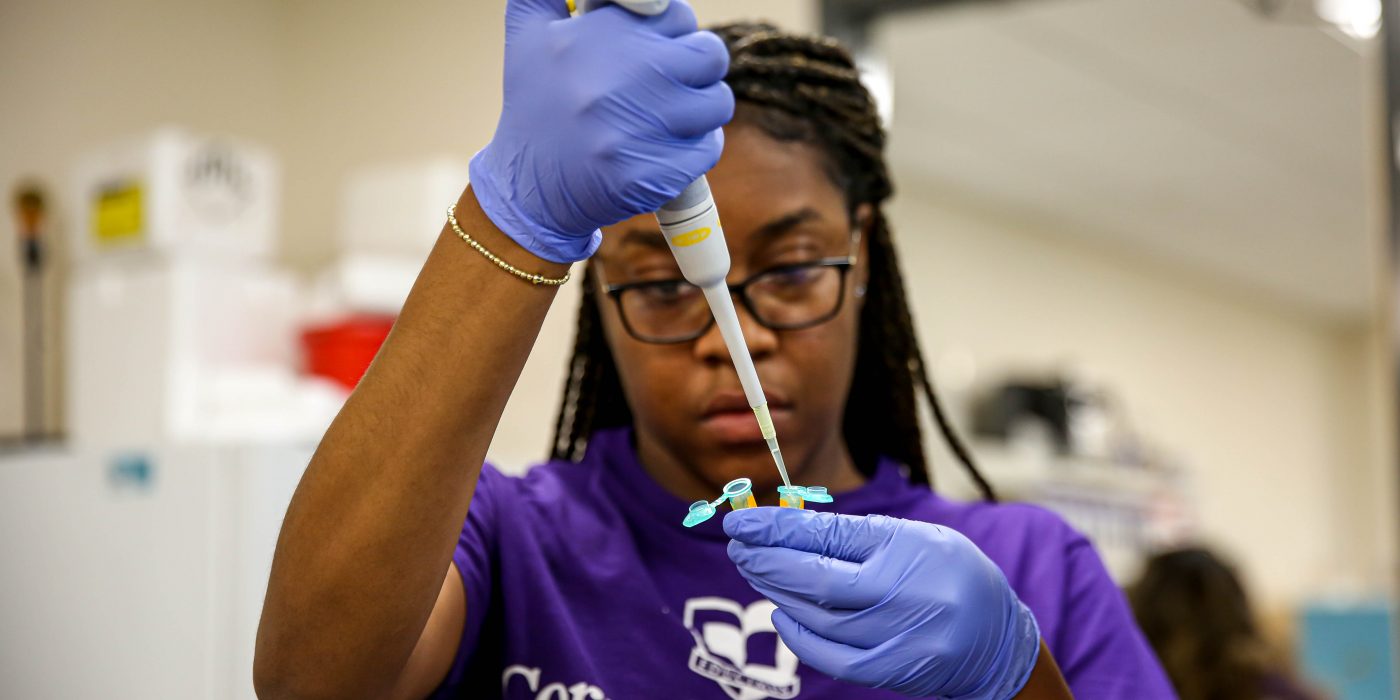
(887, 603)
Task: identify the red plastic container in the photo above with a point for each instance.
(342, 351)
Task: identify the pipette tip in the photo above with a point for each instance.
(778, 459)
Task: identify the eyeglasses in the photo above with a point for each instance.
(785, 298)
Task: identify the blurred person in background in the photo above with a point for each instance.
(1196, 614)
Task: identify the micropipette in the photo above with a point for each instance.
(690, 223)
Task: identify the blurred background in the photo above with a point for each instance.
(1147, 244)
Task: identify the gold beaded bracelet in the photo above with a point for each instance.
(528, 277)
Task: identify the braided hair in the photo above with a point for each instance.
(804, 89)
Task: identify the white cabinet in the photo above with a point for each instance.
(116, 585)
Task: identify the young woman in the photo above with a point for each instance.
(407, 569)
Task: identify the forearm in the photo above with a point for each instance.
(372, 526)
(1045, 682)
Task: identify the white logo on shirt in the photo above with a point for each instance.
(722, 630)
(552, 691)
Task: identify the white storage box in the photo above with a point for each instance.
(398, 210)
(173, 192)
(156, 348)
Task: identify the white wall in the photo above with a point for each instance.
(1266, 408)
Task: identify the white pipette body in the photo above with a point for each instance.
(690, 224)
(648, 8)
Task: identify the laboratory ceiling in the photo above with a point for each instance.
(1192, 131)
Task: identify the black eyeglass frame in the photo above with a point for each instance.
(740, 290)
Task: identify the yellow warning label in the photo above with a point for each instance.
(682, 240)
(116, 215)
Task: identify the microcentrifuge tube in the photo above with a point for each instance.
(791, 496)
(740, 494)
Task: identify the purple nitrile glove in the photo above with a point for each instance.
(606, 115)
(887, 603)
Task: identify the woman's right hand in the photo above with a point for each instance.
(605, 116)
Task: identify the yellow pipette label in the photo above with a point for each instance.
(691, 237)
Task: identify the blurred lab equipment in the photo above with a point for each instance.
(1068, 445)
(180, 325)
(31, 217)
(342, 351)
(391, 215)
(1349, 647)
(1077, 418)
(142, 542)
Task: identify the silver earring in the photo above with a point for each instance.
(860, 290)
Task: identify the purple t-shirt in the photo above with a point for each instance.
(583, 585)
